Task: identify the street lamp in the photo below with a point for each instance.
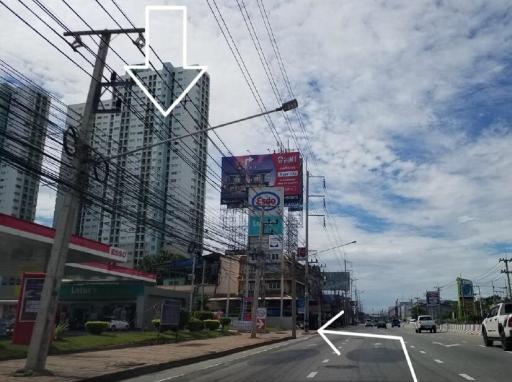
(287, 106)
(338, 246)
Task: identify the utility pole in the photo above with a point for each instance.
(507, 272)
(257, 278)
(306, 265)
(43, 328)
(294, 297)
(203, 273)
(192, 282)
(480, 299)
(229, 287)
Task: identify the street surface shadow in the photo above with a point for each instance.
(376, 355)
(288, 356)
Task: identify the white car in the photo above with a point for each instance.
(425, 323)
(497, 326)
(118, 325)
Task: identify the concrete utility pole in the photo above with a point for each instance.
(203, 274)
(480, 299)
(229, 287)
(192, 283)
(507, 272)
(43, 328)
(306, 263)
(257, 278)
(294, 298)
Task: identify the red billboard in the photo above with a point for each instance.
(270, 170)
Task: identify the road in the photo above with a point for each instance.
(435, 357)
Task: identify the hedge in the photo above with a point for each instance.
(225, 322)
(96, 327)
(203, 315)
(211, 324)
(184, 318)
(156, 323)
(195, 325)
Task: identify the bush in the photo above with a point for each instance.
(156, 323)
(184, 318)
(195, 325)
(211, 324)
(96, 327)
(225, 322)
(60, 329)
(203, 315)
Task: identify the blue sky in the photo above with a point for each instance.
(407, 109)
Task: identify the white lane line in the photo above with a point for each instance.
(438, 361)
(482, 346)
(312, 374)
(422, 352)
(325, 361)
(412, 346)
(508, 351)
(340, 347)
(210, 366)
(467, 377)
(168, 379)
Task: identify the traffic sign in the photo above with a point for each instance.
(261, 313)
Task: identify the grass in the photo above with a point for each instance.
(107, 340)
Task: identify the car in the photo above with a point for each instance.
(382, 324)
(368, 323)
(395, 322)
(118, 325)
(425, 323)
(497, 326)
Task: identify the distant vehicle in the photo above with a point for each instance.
(382, 324)
(497, 326)
(395, 322)
(368, 323)
(425, 323)
(118, 325)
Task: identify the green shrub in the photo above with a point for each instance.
(184, 318)
(225, 322)
(203, 315)
(211, 324)
(96, 327)
(156, 323)
(60, 329)
(195, 325)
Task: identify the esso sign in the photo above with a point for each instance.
(266, 201)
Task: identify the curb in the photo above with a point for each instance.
(148, 369)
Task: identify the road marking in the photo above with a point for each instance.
(312, 374)
(438, 361)
(210, 366)
(340, 347)
(508, 351)
(467, 377)
(377, 344)
(482, 346)
(422, 352)
(309, 345)
(168, 379)
(412, 346)
(325, 361)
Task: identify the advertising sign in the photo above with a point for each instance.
(270, 200)
(336, 281)
(465, 288)
(272, 225)
(433, 298)
(31, 299)
(275, 242)
(271, 170)
(301, 254)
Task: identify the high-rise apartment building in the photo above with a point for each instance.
(154, 199)
(23, 126)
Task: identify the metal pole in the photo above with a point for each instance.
(202, 281)
(480, 299)
(43, 329)
(294, 298)
(244, 307)
(281, 307)
(306, 264)
(257, 279)
(192, 283)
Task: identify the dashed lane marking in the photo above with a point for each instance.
(169, 378)
(423, 352)
(312, 374)
(438, 361)
(325, 361)
(412, 346)
(467, 377)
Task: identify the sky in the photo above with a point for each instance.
(406, 106)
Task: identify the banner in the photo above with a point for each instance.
(271, 170)
(336, 281)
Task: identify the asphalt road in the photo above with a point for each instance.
(435, 357)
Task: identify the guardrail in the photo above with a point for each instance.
(473, 329)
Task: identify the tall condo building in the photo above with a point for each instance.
(23, 125)
(153, 200)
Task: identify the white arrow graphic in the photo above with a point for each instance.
(129, 68)
(322, 331)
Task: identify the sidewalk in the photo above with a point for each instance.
(110, 365)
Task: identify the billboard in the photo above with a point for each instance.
(301, 254)
(271, 170)
(336, 281)
(269, 200)
(465, 288)
(433, 298)
(272, 225)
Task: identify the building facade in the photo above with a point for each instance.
(154, 199)
(23, 123)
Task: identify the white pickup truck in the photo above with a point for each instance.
(497, 326)
(425, 323)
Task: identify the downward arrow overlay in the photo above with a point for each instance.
(322, 331)
(131, 68)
